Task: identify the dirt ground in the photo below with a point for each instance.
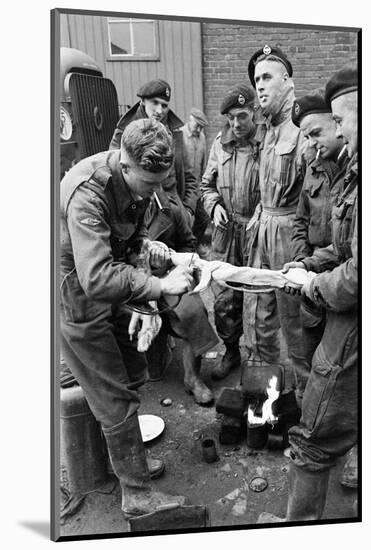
(222, 486)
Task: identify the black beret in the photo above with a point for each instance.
(307, 105)
(241, 95)
(342, 82)
(155, 88)
(267, 51)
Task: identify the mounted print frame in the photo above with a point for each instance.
(231, 467)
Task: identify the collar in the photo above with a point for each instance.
(171, 120)
(284, 109)
(229, 141)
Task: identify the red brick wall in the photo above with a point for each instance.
(227, 48)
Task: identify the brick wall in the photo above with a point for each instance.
(227, 48)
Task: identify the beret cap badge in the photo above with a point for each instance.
(241, 99)
(267, 50)
(297, 109)
(167, 92)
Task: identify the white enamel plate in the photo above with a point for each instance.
(151, 426)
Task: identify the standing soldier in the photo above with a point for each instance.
(154, 103)
(281, 180)
(103, 202)
(195, 144)
(312, 224)
(328, 426)
(230, 193)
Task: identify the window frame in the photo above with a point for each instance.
(133, 57)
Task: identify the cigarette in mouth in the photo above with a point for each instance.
(341, 154)
(317, 155)
(157, 200)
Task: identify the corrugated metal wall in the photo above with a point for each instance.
(180, 61)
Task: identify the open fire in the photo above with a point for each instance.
(267, 413)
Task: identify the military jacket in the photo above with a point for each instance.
(337, 290)
(101, 225)
(312, 225)
(231, 177)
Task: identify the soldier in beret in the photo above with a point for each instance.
(230, 193)
(312, 224)
(154, 103)
(282, 168)
(103, 202)
(328, 425)
(195, 144)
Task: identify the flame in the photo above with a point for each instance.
(267, 414)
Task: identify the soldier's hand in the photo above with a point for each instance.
(220, 216)
(290, 265)
(305, 290)
(178, 281)
(293, 290)
(158, 254)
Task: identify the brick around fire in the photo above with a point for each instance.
(231, 402)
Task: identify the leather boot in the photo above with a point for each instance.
(192, 381)
(349, 476)
(307, 496)
(231, 359)
(126, 451)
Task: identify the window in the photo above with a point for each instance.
(132, 39)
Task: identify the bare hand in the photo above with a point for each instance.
(220, 216)
(158, 254)
(289, 289)
(178, 281)
(291, 265)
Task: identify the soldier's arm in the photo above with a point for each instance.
(100, 276)
(322, 259)
(300, 245)
(184, 237)
(338, 290)
(209, 194)
(191, 192)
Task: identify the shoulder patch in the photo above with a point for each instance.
(90, 221)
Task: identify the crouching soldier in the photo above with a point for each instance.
(187, 320)
(103, 202)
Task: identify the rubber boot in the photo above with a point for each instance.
(156, 467)
(192, 381)
(307, 496)
(231, 359)
(349, 476)
(159, 356)
(126, 451)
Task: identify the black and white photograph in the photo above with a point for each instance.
(205, 345)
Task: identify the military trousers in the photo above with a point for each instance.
(229, 244)
(96, 347)
(274, 310)
(328, 425)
